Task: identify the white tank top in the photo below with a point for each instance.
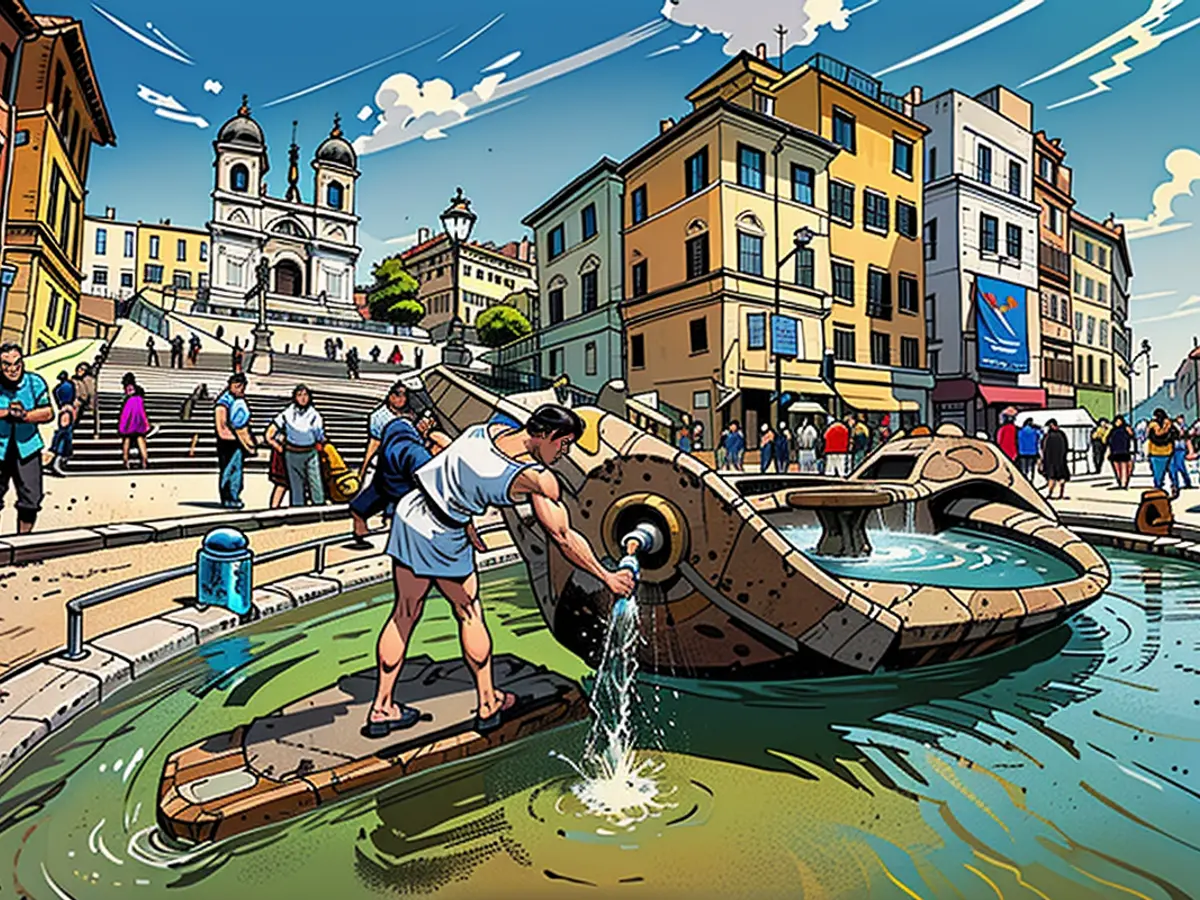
(469, 476)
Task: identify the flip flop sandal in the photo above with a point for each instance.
(492, 722)
(408, 718)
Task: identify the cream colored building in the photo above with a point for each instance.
(1092, 294)
(123, 258)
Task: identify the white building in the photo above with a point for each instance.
(311, 248)
(981, 223)
(109, 256)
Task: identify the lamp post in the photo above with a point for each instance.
(801, 238)
(1145, 351)
(458, 221)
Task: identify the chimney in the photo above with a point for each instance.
(423, 234)
(110, 212)
(914, 95)
(761, 52)
(665, 125)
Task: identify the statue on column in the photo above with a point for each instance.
(260, 361)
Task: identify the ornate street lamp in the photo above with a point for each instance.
(458, 222)
(801, 238)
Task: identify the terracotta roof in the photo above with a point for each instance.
(18, 13)
(413, 251)
(71, 31)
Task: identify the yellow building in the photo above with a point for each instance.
(876, 332)
(124, 258)
(710, 205)
(1092, 261)
(171, 256)
(60, 114)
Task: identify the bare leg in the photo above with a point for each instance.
(476, 642)
(277, 495)
(125, 451)
(141, 441)
(393, 639)
(360, 525)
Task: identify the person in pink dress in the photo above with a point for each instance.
(133, 424)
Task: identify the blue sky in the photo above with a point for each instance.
(525, 136)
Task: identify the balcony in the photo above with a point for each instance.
(858, 81)
(1050, 257)
(1120, 343)
(1059, 371)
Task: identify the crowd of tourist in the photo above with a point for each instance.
(811, 447)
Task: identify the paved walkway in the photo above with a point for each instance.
(1098, 495)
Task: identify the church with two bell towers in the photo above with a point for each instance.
(310, 248)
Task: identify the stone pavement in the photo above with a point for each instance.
(1097, 495)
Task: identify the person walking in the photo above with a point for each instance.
(1160, 446)
(1100, 444)
(62, 443)
(24, 405)
(297, 433)
(783, 448)
(85, 396)
(720, 452)
(1055, 468)
(1029, 445)
(177, 352)
(766, 447)
(683, 439)
(394, 405)
(697, 436)
(735, 446)
(396, 357)
(194, 349)
(375, 353)
(1120, 443)
(151, 353)
(1180, 478)
(860, 437)
(231, 420)
(837, 448)
(133, 424)
(237, 356)
(353, 364)
(1006, 438)
(806, 447)
(1139, 435)
(433, 542)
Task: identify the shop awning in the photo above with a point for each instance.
(874, 398)
(996, 395)
(814, 387)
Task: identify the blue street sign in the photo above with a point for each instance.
(785, 336)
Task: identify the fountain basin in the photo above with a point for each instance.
(729, 595)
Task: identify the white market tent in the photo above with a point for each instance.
(1076, 424)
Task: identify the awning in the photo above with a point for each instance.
(813, 386)
(1030, 398)
(806, 406)
(727, 399)
(874, 398)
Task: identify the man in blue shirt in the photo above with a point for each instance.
(234, 441)
(24, 405)
(63, 442)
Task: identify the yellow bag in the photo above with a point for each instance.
(341, 482)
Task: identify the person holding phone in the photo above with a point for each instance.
(24, 405)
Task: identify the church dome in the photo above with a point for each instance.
(336, 149)
(241, 129)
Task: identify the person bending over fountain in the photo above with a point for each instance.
(432, 538)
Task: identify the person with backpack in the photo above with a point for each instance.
(1161, 435)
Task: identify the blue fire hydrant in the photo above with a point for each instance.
(224, 571)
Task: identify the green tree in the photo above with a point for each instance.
(393, 296)
(500, 325)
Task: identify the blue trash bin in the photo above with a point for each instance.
(224, 571)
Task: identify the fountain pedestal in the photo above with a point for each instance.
(842, 513)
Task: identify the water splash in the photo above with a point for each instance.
(910, 518)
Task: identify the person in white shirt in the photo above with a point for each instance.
(806, 447)
(393, 405)
(298, 432)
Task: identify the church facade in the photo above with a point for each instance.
(310, 248)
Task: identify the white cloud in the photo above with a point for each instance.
(411, 109)
(168, 107)
(462, 44)
(141, 38)
(746, 25)
(404, 240)
(1189, 307)
(1140, 31)
(668, 49)
(365, 113)
(213, 86)
(166, 40)
(503, 61)
(1184, 167)
(970, 34)
(1154, 295)
(693, 37)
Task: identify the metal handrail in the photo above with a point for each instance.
(77, 605)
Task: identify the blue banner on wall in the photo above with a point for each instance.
(785, 336)
(1001, 325)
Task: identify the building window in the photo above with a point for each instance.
(52, 311)
(181, 251)
(1045, 168)
(153, 274)
(1091, 369)
(335, 284)
(843, 281)
(558, 242)
(910, 353)
(129, 245)
(52, 197)
(126, 279)
(234, 271)
(556, 306)
(763, 103)
(804, 181)
(931, 239)
(989, 233)
(756, 331)
(1102, 257)
(589, 358)
(1012, 241)
(1078, 283)
(931, 165)
(701, 399)
(637, 351)
(902, 156)
(879, 294)
(752, 165)
(334, 195)
(698, 335)
(556, 361)
(589, 291)
(64, 323)
(101, 241)
(1103, 333)
(750, 253)
(100, 276)
(1102, 292)
(1078, 324)
(1014, 178)
(983, 163)
(203, 251)
(239, 178)
(908, 294)
(1091, 330)
(696, 171)
(843, 344)
(1089, 288)
(805, 267)
(182, 280)
(154, 246)
(1056, 220)
(1103, 368)
(21, 138)
(875, 212)
(841, 202)
(881, 348)
(637, 204)
(697, 256)
(641, 278)
(843, 129)
(1088, 251)
(587, 219)
(906, 219)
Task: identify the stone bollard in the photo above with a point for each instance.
(1154, 514)
(224, 571)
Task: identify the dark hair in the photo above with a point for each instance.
(301, 387)
(63, 376)
(87, 369)
(398, 388)
(1052, 423)
(1160, 413)
(552, 421)
(9, 347)
(237, 378)
(127, 379)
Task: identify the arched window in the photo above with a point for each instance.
(288, 279)
(333, 195)
(239, 178)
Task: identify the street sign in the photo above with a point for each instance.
(785, 336)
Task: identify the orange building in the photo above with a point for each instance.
(60, 114)
(1052, 192)
(17, 25)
